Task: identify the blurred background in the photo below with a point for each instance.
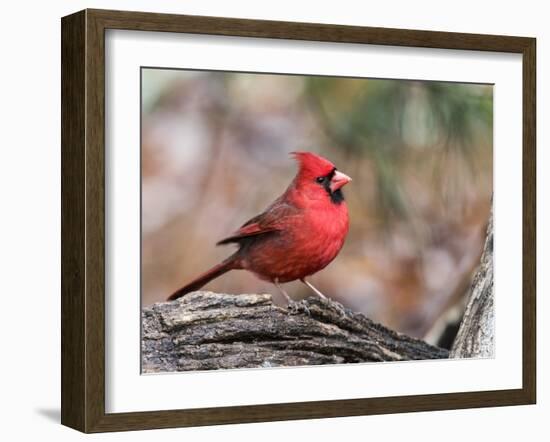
(215, 152)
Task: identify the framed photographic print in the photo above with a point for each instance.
(270, 220)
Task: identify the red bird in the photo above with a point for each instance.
(296, 236)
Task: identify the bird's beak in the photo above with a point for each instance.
(339, 180)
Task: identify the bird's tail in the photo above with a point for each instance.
(230, 263)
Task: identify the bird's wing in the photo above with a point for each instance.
(271, 220)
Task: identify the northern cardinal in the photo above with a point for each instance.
(300, 233)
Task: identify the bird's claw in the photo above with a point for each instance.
(295, 307)
(334, 305)
(340, 309)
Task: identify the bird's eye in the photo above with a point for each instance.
(321, 179)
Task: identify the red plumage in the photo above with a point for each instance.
(300, 233)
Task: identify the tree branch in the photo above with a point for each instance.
(206, 331)
(476, 334)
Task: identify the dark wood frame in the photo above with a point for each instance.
(83, 216)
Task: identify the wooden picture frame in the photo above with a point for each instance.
(83, 219)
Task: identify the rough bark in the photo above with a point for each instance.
(475, 338)
(205, 331)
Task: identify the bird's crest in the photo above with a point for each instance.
(313, 164)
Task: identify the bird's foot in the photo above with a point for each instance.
(339, 308)
(296, 307)
(334, 305)
(324, 299)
